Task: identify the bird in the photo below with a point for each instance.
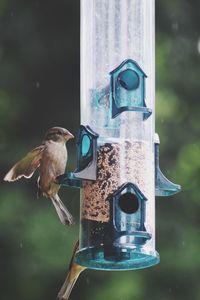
(51, 159)
(74, 271)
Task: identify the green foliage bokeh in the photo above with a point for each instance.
(39, 88)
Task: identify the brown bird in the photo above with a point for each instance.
(51, 158)
(74, 271)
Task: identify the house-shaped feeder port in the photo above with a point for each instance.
(127, 89)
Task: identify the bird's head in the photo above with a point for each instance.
(58, 134)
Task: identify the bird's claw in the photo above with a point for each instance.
(59, 179)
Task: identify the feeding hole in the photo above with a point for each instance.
(85, 145)
(129, 79)
(128, 203)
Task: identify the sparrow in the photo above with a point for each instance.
(51, 159)
(74, 271)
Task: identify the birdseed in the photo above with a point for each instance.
(116, 165)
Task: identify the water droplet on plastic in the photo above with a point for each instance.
(175, 26)
(104, 101)
(88, 280)
(198, 45)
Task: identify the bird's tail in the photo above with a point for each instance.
(63, 213)
(70, 281)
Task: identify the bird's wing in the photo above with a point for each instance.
(26, 166)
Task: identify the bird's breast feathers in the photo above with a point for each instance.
(55, 157)
(53, 164)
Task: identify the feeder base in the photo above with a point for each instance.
(94, 258)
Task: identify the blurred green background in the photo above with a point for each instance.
(39, 88)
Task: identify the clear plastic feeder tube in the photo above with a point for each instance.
(117, 102)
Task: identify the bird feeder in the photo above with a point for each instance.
(117, 149)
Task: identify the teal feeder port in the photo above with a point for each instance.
(129, 79)
(128, 89)
(164, 187)
(118, 169)
(86, 154)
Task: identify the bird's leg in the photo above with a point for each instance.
(61, 178)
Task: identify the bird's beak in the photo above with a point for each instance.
(69, 135)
